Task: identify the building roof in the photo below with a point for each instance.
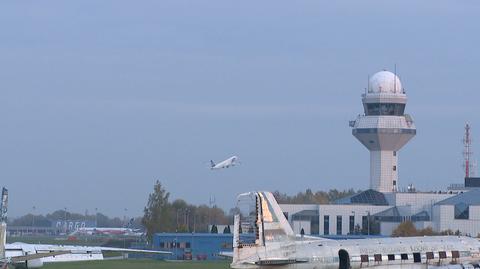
(421, 215)
(309, 213)
(470, 198)
(401, 213)
(306, 215)
(369, 197)
(391, 212)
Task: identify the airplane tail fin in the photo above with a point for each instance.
(212, 164)
(3, 222)
(263, 224)
(273, 223)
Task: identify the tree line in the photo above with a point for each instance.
(310, 197)
(40, 220)
(161, 215)
(407, 228)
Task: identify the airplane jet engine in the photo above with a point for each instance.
(36, 263)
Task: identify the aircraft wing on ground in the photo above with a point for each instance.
(132, 250)
(67, 253)
(29, 257)
(30, 260)
(35, 255)
(73, 249)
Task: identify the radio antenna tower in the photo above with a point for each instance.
(468, 164)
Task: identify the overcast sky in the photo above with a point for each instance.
(101, 98)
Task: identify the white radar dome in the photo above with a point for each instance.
(385, 82)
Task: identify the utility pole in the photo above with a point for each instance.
(66, 224)
(186, 219)
(96, 214)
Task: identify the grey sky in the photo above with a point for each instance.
(101, 98)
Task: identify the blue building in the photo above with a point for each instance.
(194, 246)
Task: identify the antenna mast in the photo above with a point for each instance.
(368, 85)
(395, 79)
(467, 152)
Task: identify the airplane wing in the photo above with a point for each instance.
(131, 250)
(75, 249)
(28, 257)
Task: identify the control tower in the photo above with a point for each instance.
(384, 128)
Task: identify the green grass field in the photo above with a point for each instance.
(138, 264)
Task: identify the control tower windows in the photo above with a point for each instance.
(378, 109)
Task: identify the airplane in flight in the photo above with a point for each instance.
(232, 161)
(273, 244)
(35, 255)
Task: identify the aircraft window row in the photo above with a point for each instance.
(442, 254)
(455, 254)
(417, 257)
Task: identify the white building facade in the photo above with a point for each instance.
(443, 212)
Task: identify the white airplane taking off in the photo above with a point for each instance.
(273, 244)
(232, 161)
(25, 255)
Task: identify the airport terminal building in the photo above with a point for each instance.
(384, 129)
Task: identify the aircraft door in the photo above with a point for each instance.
(343, 259)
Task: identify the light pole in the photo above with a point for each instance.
(186, 220)
(96, 214)
(125, 225)
(66, 224)
(194, 222)
(176, 220)
(33, 219)
(125, 217)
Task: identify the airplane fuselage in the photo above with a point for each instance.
(408, 253)
(226, 163)
(273, 244)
